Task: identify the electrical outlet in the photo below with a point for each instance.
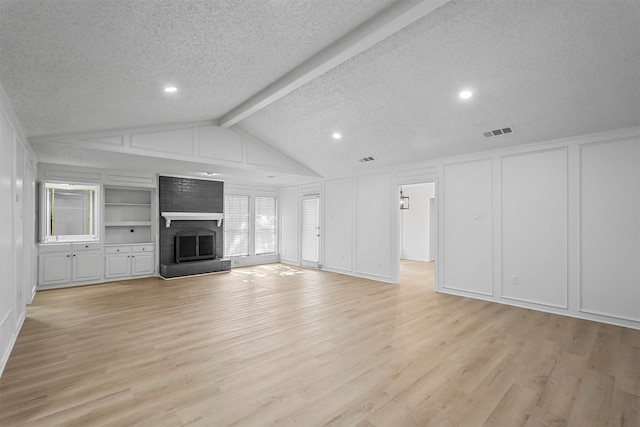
(515, 280)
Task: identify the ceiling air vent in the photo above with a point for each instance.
(366, 159)
(497, 132)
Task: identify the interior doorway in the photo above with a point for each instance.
(417, 233)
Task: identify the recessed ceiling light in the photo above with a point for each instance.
(465, 94)
(170, 89)
(211, 173)
(336, 135)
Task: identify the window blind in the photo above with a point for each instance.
(310, 230)
(236, 227)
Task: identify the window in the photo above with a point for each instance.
(251, 225)
(236, 227)
(69, 212)
(265, 225)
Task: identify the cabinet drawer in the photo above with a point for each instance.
(86, 246)
(117, 249)
(145, 248)
(46, 248)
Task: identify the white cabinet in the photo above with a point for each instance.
(123, 261)
(117, 262)
(143, 260)
(69, 264)
(55, 268)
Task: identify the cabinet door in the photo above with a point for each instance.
(142, 264)
(55, 268)
(118, 265)
(86, 266)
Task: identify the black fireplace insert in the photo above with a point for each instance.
(195, 244)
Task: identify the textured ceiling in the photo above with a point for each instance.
(549, 69)
(84, 65)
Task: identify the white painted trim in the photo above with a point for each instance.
(12, 341)
(191, 216)
(250, 260)
(493, 216)
(530, 301)
(368, 276)
(501, 249)
(453, 288)
(551, 310)
(287, 165)
(91, 282)
(615, 316)
(289, 261)
(619, 136)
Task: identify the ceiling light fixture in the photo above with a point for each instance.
(465, 94)
(170, 89)
(336, 135)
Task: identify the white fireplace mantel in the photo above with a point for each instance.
(191, 216)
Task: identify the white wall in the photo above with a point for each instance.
(467, 222)
(534, 227)
(373, 233)
(562, 216)
(8, 288)
(559, 226)
(338, 224)
(288, 200)
(416, 221)
(610, 228)
(355, 213)
(17, 238)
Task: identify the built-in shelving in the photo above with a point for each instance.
(128, 215)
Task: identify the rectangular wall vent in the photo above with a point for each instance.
(366, 159)
(497, 132)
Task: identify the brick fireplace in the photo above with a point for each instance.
(185, 196)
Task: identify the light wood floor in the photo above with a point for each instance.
(278, 345)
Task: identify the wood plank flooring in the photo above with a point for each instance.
(281, 345)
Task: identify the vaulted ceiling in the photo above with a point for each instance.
(385, 74)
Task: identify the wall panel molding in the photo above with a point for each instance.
(534, 231)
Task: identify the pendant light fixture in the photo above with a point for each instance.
(404, 200)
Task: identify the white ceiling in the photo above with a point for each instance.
(549, 69)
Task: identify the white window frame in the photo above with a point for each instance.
(252, 195)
